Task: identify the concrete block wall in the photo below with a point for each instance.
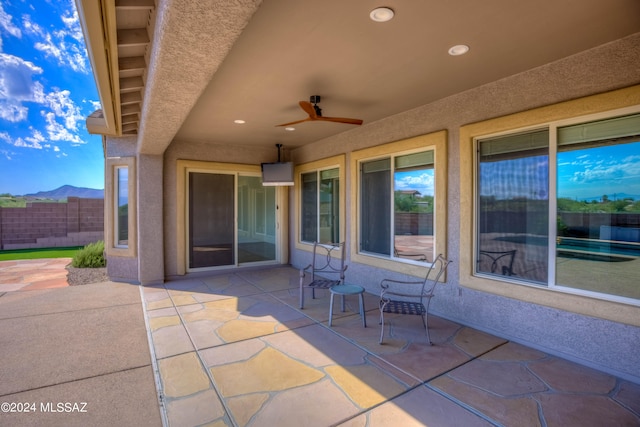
(39, 225)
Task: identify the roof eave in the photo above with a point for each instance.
(100, 38)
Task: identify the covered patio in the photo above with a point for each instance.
(234, 349)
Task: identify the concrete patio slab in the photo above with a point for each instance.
(122, 398)
(78, 355)
(234, 349)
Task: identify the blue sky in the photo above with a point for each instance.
(46, 92)
(609, 170)
(584, 174)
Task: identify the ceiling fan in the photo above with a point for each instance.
(315, 114)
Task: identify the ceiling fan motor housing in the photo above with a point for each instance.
(314, 99)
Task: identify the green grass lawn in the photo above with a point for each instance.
(39, 253)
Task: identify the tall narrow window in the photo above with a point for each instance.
(121, 204)
(513, 205)
(397, 206)
(320, 206)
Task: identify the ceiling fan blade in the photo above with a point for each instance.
(296, 122)
(341, 120)
(308, 108)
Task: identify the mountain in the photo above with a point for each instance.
(69, 191)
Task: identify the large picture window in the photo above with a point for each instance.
(560, 207)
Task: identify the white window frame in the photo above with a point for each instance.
(318, 174)
(552, 128)
(112, 247)
(437, 142)
(335, 162)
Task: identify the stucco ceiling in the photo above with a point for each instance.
(292, 49)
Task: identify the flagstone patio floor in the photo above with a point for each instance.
(235, 349)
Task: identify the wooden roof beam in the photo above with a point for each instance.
(130, 118)
(133, 63)
(134, 37)
(130, 109)
(131, 98)
(131, 84)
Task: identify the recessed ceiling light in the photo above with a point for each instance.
(381, 14)
(459, 49)
(290, 129)
(239, 121)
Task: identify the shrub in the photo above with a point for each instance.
(91, 256)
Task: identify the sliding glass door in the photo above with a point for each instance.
(256, 220)
(231, 220)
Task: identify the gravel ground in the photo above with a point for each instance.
(84, 276)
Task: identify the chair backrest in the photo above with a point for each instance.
(434, 275)
(328, 259)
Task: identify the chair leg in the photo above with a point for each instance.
(331, 309)
(426, 328)
(301, 297)
(362, 312)
(382, 305)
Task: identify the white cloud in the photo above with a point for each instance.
(5, 137)
(12, 112)
(6, 154)
(72, 23)
(95, 105)
(34, 141)
(65, 45)
(19, 142)
(6, 26)
(16, 79)
(610, 172)
(37, 137)
(64, 107)
(31, 27)
(17, 86)
(57, 132)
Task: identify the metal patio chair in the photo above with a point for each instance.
(411, 297)
(326, 269)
